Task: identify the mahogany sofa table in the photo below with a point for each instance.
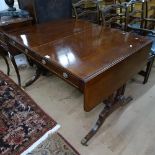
(96, 60)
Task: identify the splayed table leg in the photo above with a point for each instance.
(115, 101)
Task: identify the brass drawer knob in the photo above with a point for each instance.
(65, 75)
(26, 51)
(13, 42)
(1, 35)
(43, 62)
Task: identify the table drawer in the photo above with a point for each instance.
(45, 62)
(63, 73)
(15, 48)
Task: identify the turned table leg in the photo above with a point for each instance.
(34, 78)
(7, 64)
(2, 52)
(115, 101)
(16, 69)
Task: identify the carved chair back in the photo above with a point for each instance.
(87, 10)
(144, 25)
(112, 17)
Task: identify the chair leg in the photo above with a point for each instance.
(16, 69)
(148, 70)
(6, 61)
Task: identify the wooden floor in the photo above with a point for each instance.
(128, 131)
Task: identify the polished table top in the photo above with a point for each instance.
(36, 35)
(82, 48)
(94, 59)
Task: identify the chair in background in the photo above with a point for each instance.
(87, 10)
(47, 10)
(150, 62)
(111, 16)
(149, 18)
(144, 25)
(105, 3)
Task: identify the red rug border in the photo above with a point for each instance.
(27, 95)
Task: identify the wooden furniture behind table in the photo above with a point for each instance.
(6, 24)
(144, 25)
(98, 61)
(114, 16)
(86, 10)
(47, 10)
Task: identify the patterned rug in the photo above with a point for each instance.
(54, 145)
(22, 121)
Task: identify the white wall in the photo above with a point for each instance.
(3, 6)
(16, 4)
